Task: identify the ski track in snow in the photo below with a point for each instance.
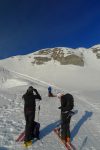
(12, 121)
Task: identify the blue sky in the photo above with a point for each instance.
(30, 25)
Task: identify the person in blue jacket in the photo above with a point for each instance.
(50, 92)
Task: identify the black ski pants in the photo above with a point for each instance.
(29, 128)
(65, 125)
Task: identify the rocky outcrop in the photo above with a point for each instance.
(72, 59)
(40, 60)
(57, 54)
(97, 52)
(98, 55)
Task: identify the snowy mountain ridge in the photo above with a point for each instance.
(62, 55)
(51, 65)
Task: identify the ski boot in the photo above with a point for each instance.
(28, 143)
(67, 140)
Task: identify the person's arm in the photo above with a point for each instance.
(23, 97)
(37, 95)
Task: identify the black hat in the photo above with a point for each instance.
(30, 89)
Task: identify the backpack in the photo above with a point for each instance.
(36, 131)
(67, 102)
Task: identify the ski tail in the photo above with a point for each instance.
(21, 137)
(67, 145)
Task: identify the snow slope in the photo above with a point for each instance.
(54, 73)
(82, 82)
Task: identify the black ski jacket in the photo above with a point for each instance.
(67, 102)
(30, 100)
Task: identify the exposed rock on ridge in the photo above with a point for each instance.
(58, 54)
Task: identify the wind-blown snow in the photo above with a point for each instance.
(82, 82)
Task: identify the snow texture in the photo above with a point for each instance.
(82, 82)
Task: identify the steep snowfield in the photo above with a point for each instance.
(82, 82)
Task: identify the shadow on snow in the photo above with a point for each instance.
(45, 131)
(84, 118)
(3, 148)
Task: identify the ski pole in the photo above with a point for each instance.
(38, 112)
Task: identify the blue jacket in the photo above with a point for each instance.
(49, 88)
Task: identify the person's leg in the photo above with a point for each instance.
(65, 127)
(49, 94)
(68, 129)
(32, 124)
(26, 127)
(68, 126)
(29, 125)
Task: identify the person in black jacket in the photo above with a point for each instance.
(29, 111)
(67, 104)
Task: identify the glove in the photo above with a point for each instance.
(39, 107)
(59, 107)
(34, 90)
